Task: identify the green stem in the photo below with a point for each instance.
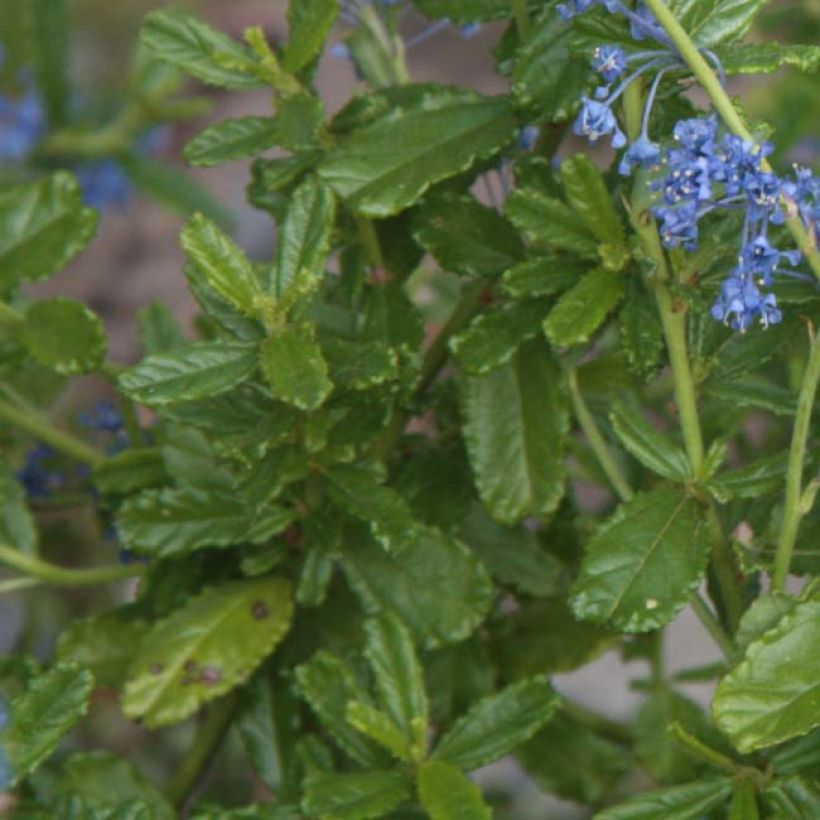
(724, 567)
(633, 106)
(596, 440)
(371, 244)
(794, 475)
(16, 584)
(612, 729)
(200, 755)
(709, 81)
(522, 19)
(41, 429)
(712, 626)
(48, 573)
(699, 749)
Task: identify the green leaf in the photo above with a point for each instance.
(49, 27)
(304, 240)
(711, 22)
(105, 644)
(571, 761)
(464, 11)
(186, 42)
(793, 798)
(447, 794)
(359, 365)
(493, 338)
(549, 222)
(206, 648)
(744, 801)
(17, 527)
(773, 694)
(641, 332)
(547, 78)
(378, 726)
(398, 678)
(687, 802)
(754, 393)
(583, 308)
(439, 608)
(643, 563)
(198, 371)
(329, 685)
(136, 468)
(159, 330)
(170, 522)
(516, 418)
(756, 479)
(587, 193)
(106, 781)
(223, 265)
(49, 707)
(464, 236)
(310, 22)
(543, 276)
(763, 58)
(295, 369)
(653, 449)
(384, 166)
(43, 226)
(354, 796)
(764, 614)
(231, 139)
(498, 724)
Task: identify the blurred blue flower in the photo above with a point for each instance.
(103, 183)
(35, 476)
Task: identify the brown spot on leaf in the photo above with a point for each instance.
(190, 666)
(210, 675)
(260, 610)
(156, 668)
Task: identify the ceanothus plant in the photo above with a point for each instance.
(344, 539)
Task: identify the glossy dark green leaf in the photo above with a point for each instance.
(328, 684)
(773, 694)
(173, 522)
(516, 418)
(498, 724)
(711, 22)
(542, 276)
(439, 608)
(186, 42)
(205, 648)
(447, 794)
(43, 226)
(465, 236)
(354, 796)
(17, 527)
(48, 708)
(763, 58)
(386, 165)
(549, 222)
(310, 21)
(643, 562)
(493, 338)
(582, 309)
(651, 447)
(194, 372)
(687, 802)
(304, 241)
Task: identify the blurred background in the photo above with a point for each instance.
(136, 259)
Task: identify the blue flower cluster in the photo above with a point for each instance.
(39, 480)
(703, 171)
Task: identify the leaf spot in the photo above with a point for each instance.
(651, 603)
(260, 610)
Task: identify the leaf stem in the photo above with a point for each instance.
(522, 19)
(203, 750)
(596, 440)
(712, 626)
(792, 512)
(41, 429)
(725, 569)
(709, 81)
(371, 245)
(40, 570)
(699, 749)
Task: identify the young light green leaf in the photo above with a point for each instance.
(17, 527)
(384, 166)
(447, 794)
(653, 449)
(223, 265)
(205, 648)
(756, 479)
(43, 226)
(378, 726)
(687, 802)
(399, 678)
(329, 685)
(198, 371)
(48, 708)
(354, 796)
(516, 418)
(465, 236)
(582, 309)
(359, 365)
(493, 338)
(186, 42)
(310, 22)
(169, 522)
(304, 240)
(498, 724)
(159, 330)
(643, 563)
(549, 222)
(293, 366)
(712, 22)
(438, 608)
(773, 694)
(763, 58)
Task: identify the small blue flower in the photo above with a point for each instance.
(679, 225)
(528, 137)
(340, 51)
(566, 11)
(22, 124)
(103, 183)
(104, 417)
(596, 120)
(762, 259)
(469, 30)
(697, 135)
(609, 62)
(37, 480)
(740, 302)
(643, 153)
